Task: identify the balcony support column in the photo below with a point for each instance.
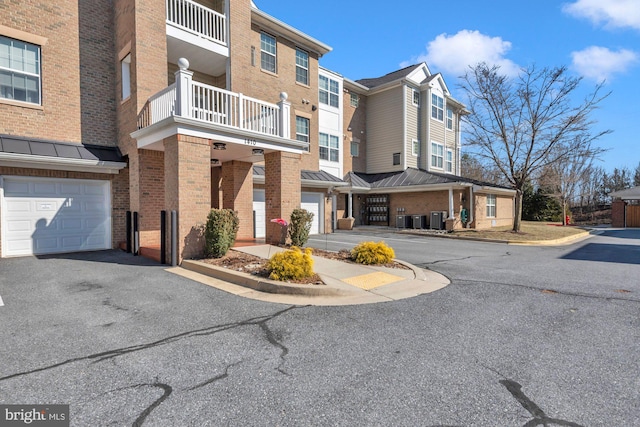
(184, 78)
(285, 116)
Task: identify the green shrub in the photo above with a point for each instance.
(291, 264)
(300, 226)
(220, 232)
(372, 253)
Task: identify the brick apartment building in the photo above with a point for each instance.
(116, 106)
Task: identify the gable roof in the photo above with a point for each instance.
(309, 178)
(388, 78)
(627, 194)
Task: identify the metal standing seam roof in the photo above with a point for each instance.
(64, 150)
(320, 176)
(409, 177)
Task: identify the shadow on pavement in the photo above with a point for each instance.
(626, 254)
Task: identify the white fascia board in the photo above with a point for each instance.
(486, 189)
(260, 179)
(201, 129)
(409, 188)
(355, 86)
(59, 163)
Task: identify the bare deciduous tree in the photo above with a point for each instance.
(524, 124)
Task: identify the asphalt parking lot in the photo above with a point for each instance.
(522, 336)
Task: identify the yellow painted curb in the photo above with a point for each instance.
(372, 280)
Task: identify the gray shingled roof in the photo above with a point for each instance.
(321, 176)
(407, 178)
(396, 75)
(66, 150)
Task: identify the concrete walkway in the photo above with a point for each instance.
(344, 283)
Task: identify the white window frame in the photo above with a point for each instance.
(449, 118)
(355, 149)
(415, 147)
(416, 97)
(300, 132)
(125, 67)
(437, 107)
(394, 161)
(448, 161)
(265, 52)
(327, 141)
(354, 100)
(492, 202)
(12, 73)
(437, 155)
(327, 95)
(302, 67)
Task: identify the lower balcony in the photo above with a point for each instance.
(243, 125)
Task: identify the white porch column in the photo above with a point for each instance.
(471, 205)
(451, 215)
(285, 116)
(183, 89)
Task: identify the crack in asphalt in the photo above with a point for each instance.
(426, 264)
(464, 282)
(539, 417)
(222, 376)
(110, 354)
(273, 340)
(144, 414)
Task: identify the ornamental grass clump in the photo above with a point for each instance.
(291, 264)
(372, 253)
(220, 232)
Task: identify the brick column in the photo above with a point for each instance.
(282, 189)
(237, 194)
(151, 193)
(617, 213)
(187, 180)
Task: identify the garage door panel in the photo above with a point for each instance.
(55, 215)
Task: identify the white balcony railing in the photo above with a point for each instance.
(197, 19)
(209, 104)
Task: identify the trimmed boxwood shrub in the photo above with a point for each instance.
(372, 253)
(291, 264)
(220, 232)
(299, 227)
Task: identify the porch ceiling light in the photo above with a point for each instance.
(219, 146)
(215, 161)
(258, 151)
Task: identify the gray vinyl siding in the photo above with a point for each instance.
(385, 132)
(413, 128)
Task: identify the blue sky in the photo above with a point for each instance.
(596, 39)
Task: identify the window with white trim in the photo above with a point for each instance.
(449, 119)
(448, 161)
(329, 92)
(491, 205)
(354, 100)
(355, 149)
(125, 66)
(437, 107)
(437, 155)
(268, 52)
(415, 147)
(329, 147)
(20, 78)
(416, 98)
(302, 129)
(302, 66)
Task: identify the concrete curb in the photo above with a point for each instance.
(261, 284)
(561, 241)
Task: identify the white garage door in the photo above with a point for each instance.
(43, 216)
(312, 203)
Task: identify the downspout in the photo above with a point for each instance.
(451, 207)
(350, 206)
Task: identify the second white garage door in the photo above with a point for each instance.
(44, 216)
(310, 201)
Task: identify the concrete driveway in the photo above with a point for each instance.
(521, 336)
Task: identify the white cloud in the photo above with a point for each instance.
(599, 63)
(454, 54)
(613, 13)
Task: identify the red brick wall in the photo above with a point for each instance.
(282, 188)
(237, 189)
(617, 213)
(355, 119)
(151, 192)
(77, 72)
(187, 165)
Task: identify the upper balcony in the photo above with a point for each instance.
(246, 127)
(199, 33)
